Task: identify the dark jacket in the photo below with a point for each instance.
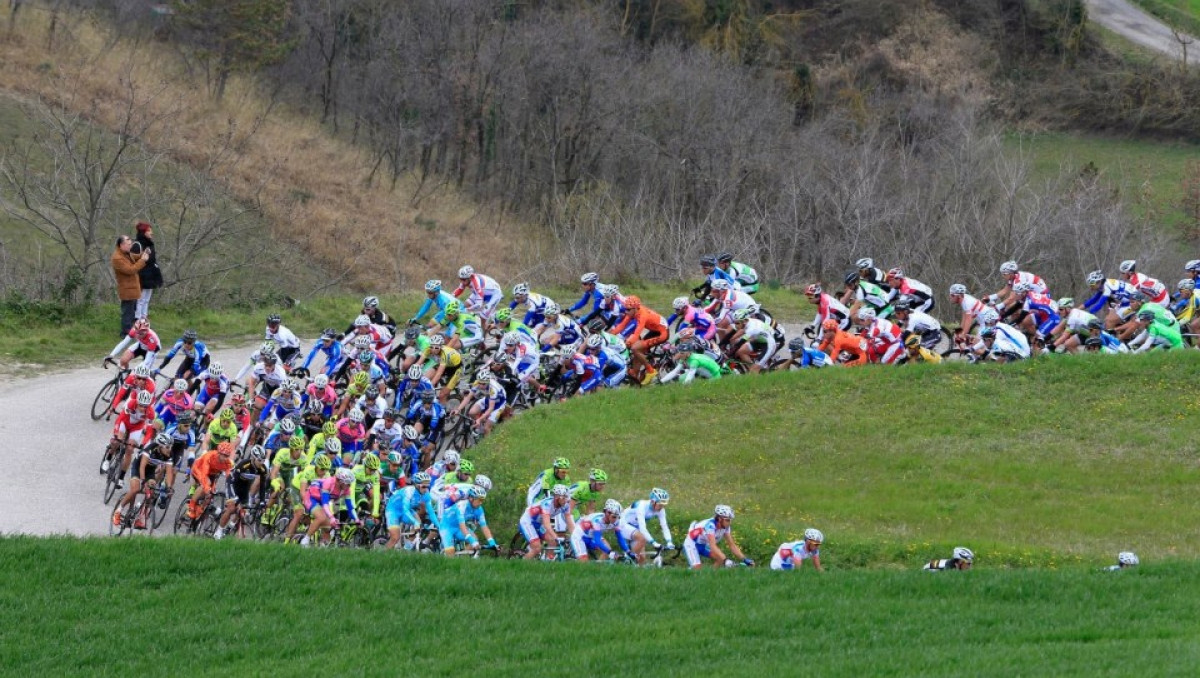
(151, 275)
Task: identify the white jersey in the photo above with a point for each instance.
(1077, 320)
(790, 553)
(636, 517)
(283, 338)
(922, 323)
(1008, 340)
(971, 306)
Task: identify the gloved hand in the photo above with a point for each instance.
(747, 562)
(670, 546)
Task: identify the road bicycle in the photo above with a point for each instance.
(103, 406)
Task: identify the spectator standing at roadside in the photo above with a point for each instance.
(150, 275)
(125, 268)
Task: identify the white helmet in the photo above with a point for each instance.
(451, 457)
(362, 321)
(551, 309)
(483, 481)
(433, 286)
(466, 272)
(865, 262)
(723, 511)
(613, 506)
(345, 475)
(560, 491)
(589, 277)
(1186, 284)
(415, 373)
(371, 302)
(1127, 558)
(437, 340)
(321, 381)
(813, 534)
(964, 553)
(1128, 265)
(607, 291)
(144, 370)
(216, 370)
(410, 432)
(595, 341)
(1022, 288)
(722, 285)
(958, 288)
(144, 398)
(1193, 265)
(866, 313)
(989, 316)
(357, 416)
(180, 385)
(520, 289)
(1009, 267)
(680, 303)
(1095, 277)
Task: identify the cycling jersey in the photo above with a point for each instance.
(565, 327)
(941, 565)
(407, 392)
(698, 319)
(724, 307)
(1044, 311)
(173, 402)
(922, 355)
(695, 364)
(1161, 315)
(1009, 341)
(644, 321)
(268, 380)
(1111, 345)
(132, 385)
(581, 493)
(485, 294)
(836, 343)
(288, 465)
(744, 276)
(635, 518)
(1034, 281)
(242, 478)
(696, 545)
(535, 305)
(1158, 334)
(1077, 321)
(591, 296)
(208, 468)
(333, 355)
(884, 341)
(921, 293)
(544, 482)
(874, 296)
(457, 517)
(1111, 292)
(923, 324)
(281, 404)
(197, 357)
(970, 306)
(1188, 308)
(811, 357)
(790, 553)
(431, 417)
(218, 434)
(588, 534)
(364, 484)
(1154, 290)
(466, 326)
(147, 343)
(762, 336)
(404, 504)
(439, 301)
(374, 409)
(351, 434)
(132, 420)
(531, 520)
(386, 435)
(327, 492)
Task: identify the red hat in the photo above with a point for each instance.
(142, 227)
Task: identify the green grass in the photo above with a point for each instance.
(1181, 14)
(1152, 171)
(166, 607)
(45, 333)
(1055, 461)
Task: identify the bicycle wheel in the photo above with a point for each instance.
(518, 547)
(124, 526)
(104, 399)
(182, 523)
(111, 478)
(212, 515)
(945, 341)
(158, 513)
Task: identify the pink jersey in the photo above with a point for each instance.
(324, 491)
(177, 401)
(350, 433)
(328, 396)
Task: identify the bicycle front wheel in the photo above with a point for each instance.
(104, 400)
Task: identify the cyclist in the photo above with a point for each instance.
(173, 401)
(256, 357)
(828, 308)
(588, 492)
(505, 323)
(557, 474)
(351, 431)
(462, 330)
(885, 342)
(248, 481)
(409, 507)
(145, 467)
(428, 418)
(633, 532)
(1129, 273)
(443, 481)
(135, 416)
(321, 395)
(446, 466)
(867, 294)
(367, 482)
(692, 317)
(801, 356)
(588, 535)
(1155, 291)
(286, 341)
(962, 559)
(1002, 343)
(317, 443)
(690, 361)
(643, 329)
(411, 454)
(1187, 308)
(867, 272)
(282, 435)
(205, 472)
(970, 310)
(320, 495)
(386, 433)
(365, 335)
(586, 371)
(1111, 294)
(1013, 275)
(373, 406)
(559, 329)
(752, 342)
(437, 298)
(612, 305)
(534, 303)
(918, 323)
(1125, 559)
(265, 377)
(410, 347)
(1039, 313)
(792, 554)
(211, 388)
(484, 402)
(286, 463)
(446, 364)
(409, 390)
(726, 301)
(1071, 331)
(331, 347)
(392, 474)
(370, 308)
(455, 526)
(284, 402)
(485, 293)
(141, 342)
(914, 352)
(222, 428)
(537, 522)
(745, 276)
(318, 470)
(591, 285)
(1154, 334)
(920, 295)
(703, 537)
(708, 265)
(1100, 340)
(612, 365)
(141, 378)
(837, 342)
(183, 437)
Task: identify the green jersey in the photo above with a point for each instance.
(1171, 334)
(1161, 315)
(364, 482)
(702, 363)
(288, 466)
(582, 494)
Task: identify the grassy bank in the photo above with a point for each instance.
(1050, 462)
(152, 607)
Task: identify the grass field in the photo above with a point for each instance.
(171, 607)
(1048, 463)
(40, 334)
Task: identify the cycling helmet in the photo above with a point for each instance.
(989, 316)
(606, 291)
(371, 302)
(520, 289)
(372, 392)
(598, 476)
(851, 278)
(1095, 324)
(225, 449)
(421, 478)
(551, 309)
(1127, 558)
(433, 285)
(503, 316)
(466, 272)
(333, 445)
(830, 325)
(865, 262)
(1022, 288)
(612, 506)
(437, 340)
(289, 385)
(725, 256)
(452, 308)
(660, 496)
(297, 443)
(589, 278)
(345, 475)
(958, 288)
(329, 428)
(987, 332)
(483, 481)
(328, 334)
(216, 370)
(1139, 296)
(257, 453)
(1066, 302)
(356, 416)
(427, 396)
(813, 534)
(595, 341)
(323, 462)
(483, 376)
(409, 432)
(1186, 284)
(721, 285)
(162, 440)
(390, 413)
(362, 321)
(466, 466)
(1091, 342)
(287, 426)
(371, 463)
(1009, 267)
(679, 303)
(795, 344)
(268, 357)
(596, 325)
(963, 553)
(226, 414)
(415, 373)
(451, 457)
(238, 399)
(813, 290)
(912, 341)
(741, 315)
(1193, 265)
(1145, 316)
(190, 336)
(561, 462)
(144, 398)
(633, 302)
(723, 511)
(560, 491)
(896, 272)
(904, 303)
(267, 346)
(411, 334)
(394, 458)
(1129, 265)
(180, 385)
(866, 314)
(144, 371)
(274, 319)
(141, 325)
(708, 260)
(315, 406)
(476, 492)
(510, 338)
(321, 381)
(186, 416)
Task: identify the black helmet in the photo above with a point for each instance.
(851, 277)
(427, 396)
(411, 334)
(273, 319)
(328, 333)
(708, 260)
(796, 344)
(725, 256)
(1093, 341)
(189, 336)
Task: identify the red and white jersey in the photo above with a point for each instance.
(148, 341)
(479, 284)
(883, 333)
(1154, 290)
(1034, 281)
(135, 416)
(971, 306)
(828, 307)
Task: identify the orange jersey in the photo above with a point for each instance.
(208, 467)
(645, 320)
(835, 343)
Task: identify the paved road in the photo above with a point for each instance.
(54, 447)
(1126, 19)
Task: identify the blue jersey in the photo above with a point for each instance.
(1111, 291)
(407, 390)
(405, 504)
(535, 306)
(431, 416)
(333, 355)
(593, 296)
(813, 358)
(443, 297)
(461, 513)
(195, 356)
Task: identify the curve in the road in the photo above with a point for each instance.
(1132, 23)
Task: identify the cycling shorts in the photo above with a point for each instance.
(649, 340)
(583, 543)
(124, 427)
(532, 531)
(203, 397)
(451, 375)
(695, 551)
(451, 535)
(395, 516)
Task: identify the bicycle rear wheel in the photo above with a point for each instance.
(125, 526)
(159, 513)
(114, 474)
(104, 400)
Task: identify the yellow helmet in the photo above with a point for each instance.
(362, 379)
(322, 462)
